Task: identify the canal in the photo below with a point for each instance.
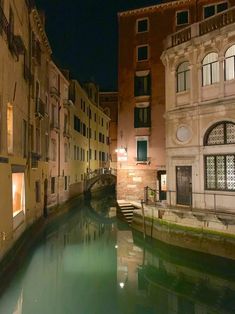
(87, 262)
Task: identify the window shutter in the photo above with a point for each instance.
(141, 150)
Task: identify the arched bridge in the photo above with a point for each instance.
(103, 174)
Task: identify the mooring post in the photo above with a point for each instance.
(142, 207)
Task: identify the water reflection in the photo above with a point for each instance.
(86, 263)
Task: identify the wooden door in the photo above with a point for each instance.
(184, 185)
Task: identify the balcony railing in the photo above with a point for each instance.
(40, 108)
(146, 161)
(198, 29)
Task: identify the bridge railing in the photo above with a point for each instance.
(92, 174)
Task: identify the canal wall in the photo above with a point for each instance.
(198, 239)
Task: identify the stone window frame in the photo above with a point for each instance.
(137, 25)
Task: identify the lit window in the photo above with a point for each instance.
(18, 193)
(142, 25)
(210, 69)
(213, 9)
(142, 53)
(230, 63)
(9, 128)
(183, 81)
(182, 18)
(142, 117)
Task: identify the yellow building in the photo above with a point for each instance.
(24, 56)
(58, 181)
(89, 146)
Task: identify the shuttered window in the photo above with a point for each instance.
(142, 117)
(142, 85)
(141, 150)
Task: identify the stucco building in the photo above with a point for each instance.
(200, 113)
(141, 88)
(89, 146)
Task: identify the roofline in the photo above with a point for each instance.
(153, 7)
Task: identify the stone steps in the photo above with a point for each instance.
(125, 211)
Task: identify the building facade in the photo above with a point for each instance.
(89, 147)
(200, 113)
(109, 103)
(141, 88)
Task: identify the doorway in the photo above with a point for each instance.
(184, 185)
(161, 176)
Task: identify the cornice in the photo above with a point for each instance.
(39, 30)
(153, 8)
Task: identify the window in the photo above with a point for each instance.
(182, 17)
(24, 138)
(210, 69)
(220, 172)
(10, 128)
(37, 192)
(53, 185)
(142, 25)
(183, 79)
(142, 84)
(142, 117)
(142, 53)
(220, 168)
(53, 149)
(66, 183)
(38, 140)
(229, 63)
(213, 9)
(142, 145)
(77, 153)
(18, 193)
(221, 133)
(76, 122)
(74, 152)
(65, 152)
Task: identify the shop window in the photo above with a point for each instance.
(183, 79)
(18, 193)
(210, 69)
(229, 63)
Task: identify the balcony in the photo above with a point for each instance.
(201, 28)
(54, 92)
(40, 108)
(67, 103)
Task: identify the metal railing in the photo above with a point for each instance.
(150, 195)
(99, 171)
(211, 201)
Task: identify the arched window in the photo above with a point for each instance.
(183, 80)
(220, 134)
(210, 69)
(220, 168)
(229, 63)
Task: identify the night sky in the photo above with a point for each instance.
(84, 36)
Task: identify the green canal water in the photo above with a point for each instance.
(87, 262)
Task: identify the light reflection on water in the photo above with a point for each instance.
(86, 263)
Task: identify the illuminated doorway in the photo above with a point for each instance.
(18, 193)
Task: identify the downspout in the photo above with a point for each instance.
(58, 183)
(29, 135)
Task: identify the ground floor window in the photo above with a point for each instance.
(18, 193)
(220, 172)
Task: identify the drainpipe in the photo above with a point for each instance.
(89, 141)
(29, 135)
